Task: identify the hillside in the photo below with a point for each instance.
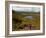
(25, 21)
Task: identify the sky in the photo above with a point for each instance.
(26, 9)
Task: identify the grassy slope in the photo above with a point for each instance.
(35, 21)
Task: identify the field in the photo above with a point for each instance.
(22, 21)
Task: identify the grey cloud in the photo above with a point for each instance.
(26, 9)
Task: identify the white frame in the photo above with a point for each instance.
(23, 32)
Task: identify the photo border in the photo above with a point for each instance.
(7, 19)
(30, 31)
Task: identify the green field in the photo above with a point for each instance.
(25, 21)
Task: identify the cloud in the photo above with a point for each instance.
(26, 9)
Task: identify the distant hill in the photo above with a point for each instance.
(22, 12)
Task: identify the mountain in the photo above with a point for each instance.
(24, 13)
